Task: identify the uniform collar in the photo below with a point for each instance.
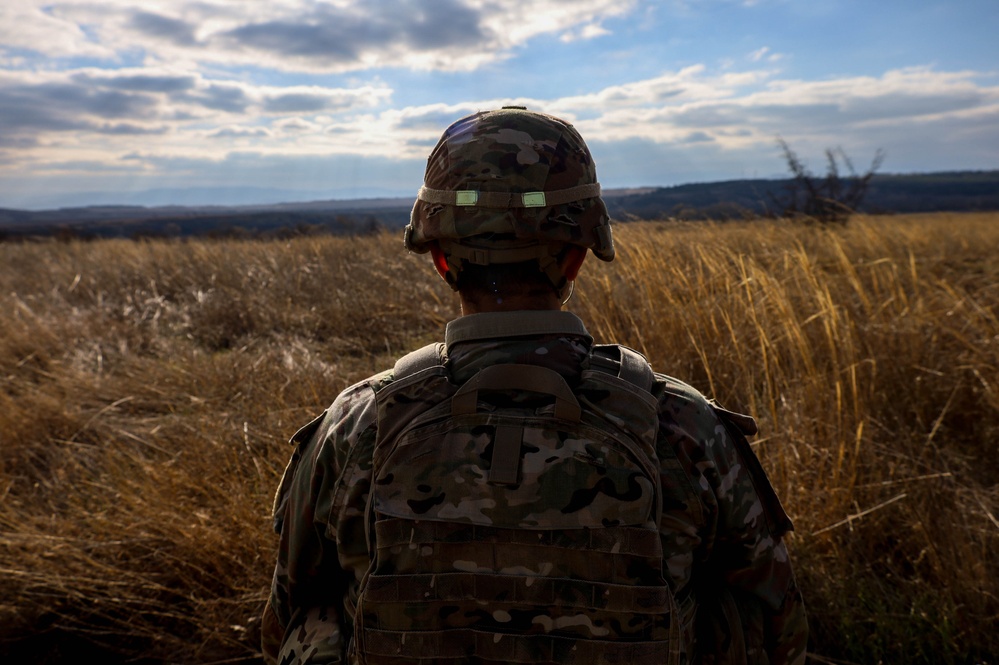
(500, 325)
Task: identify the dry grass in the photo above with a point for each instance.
(147, 390)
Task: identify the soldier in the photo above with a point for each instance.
(518, 494)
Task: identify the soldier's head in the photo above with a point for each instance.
(509, 205)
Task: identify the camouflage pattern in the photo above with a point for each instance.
(562, 563)
(511, 150)
(733, 595)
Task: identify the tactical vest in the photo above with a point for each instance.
(514, 519)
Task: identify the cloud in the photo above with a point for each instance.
(236, 131)
(298, 102)
(669, 90)
(18, 142)
(173, 30)
(59, 104)
(349, 37)
(30, 26)
(431, 118)
(740, 110)
(177, 84)
(223, 96)
(130, 129)
(728, 119)
(341, 176)
(289, 35)
(154, 101)
(324, 42)
(313, 99)
(588, 31)
(87, 167)
(697, 137)
(24, 113)
(297, 126)
(135, 82)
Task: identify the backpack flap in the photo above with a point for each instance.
(513, 377)
(519, 427)
(505, 467)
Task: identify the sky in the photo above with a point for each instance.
(194, 101)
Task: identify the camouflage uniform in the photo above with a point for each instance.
(721, 523)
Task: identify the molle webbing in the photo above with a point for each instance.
(569, 595)
(626, 555)
(479, 199)
(453, 645)
(620, 541)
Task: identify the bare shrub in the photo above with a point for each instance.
(828, 200)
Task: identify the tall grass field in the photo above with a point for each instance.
(148, 389)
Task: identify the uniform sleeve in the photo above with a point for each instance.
(752, 610)
(304, 621)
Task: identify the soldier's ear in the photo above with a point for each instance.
(572, 261)
(440, 260)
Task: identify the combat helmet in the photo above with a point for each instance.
(507, 186)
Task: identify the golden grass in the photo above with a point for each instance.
(147, 391)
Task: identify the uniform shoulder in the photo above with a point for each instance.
(363, 389)
(346, 412)
(686, 403)
(666, 386)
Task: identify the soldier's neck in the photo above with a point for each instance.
(514, 303)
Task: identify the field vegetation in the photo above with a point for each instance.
(147, 391)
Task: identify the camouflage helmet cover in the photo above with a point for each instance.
(511, 176)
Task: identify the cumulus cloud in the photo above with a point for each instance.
(313, 99)
(137, 81)
(738, 110)
(29, 106)
(360, 35)
(176, 31)
(31, 26)
(224, 96)
(297, 126)
(130, 129)
(235, 131)
(727, 113)
(289, 35)
(133, 101)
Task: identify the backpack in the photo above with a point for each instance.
(515, 519)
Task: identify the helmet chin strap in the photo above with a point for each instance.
(453, 268)
(565, 293)
(457, 254)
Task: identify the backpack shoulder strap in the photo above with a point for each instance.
(635, 369)
(615, 359)
(624, 363)
(421, 359)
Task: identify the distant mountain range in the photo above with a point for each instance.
(923, 192)
(950, 191)
(187, 197)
